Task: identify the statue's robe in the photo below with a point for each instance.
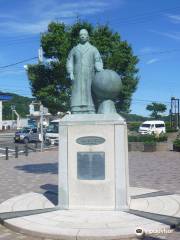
(83, 61)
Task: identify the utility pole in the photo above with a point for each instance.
(41, 115)
(13, 107)
(41, 124)
(18, 118)
(175, 113)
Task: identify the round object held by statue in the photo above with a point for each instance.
(107, 84)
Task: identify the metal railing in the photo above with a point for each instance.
(25, 150)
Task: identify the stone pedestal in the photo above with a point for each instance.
(93, 162)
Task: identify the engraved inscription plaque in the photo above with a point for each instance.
(90, 140)
(91, 165)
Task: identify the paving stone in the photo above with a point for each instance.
(38, 173)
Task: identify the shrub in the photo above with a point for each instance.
(169, 129)
(141, 138)
(176, 143)
(133, 126)
(162, 138)
(147, 138)
(150, 143)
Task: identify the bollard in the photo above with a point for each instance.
(26, 150)
(16, 151)
(7, 153)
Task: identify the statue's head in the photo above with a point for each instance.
(83, 36)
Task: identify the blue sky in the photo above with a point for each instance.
(151, 27)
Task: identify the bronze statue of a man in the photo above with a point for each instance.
(82, 63)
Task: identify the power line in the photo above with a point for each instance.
(133, 99)
(19, 36)
(17, 41)
(138, 17)
(141, 18)
(138, 55)
(15, 86)
(13, 64)
(150, 13)
(28, 41)
(159, 52)
(149, 100)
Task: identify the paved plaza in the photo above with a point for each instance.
(38, 173)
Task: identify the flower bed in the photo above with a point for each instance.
(148, 143)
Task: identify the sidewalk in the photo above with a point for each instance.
(36, 172)
(39, 173)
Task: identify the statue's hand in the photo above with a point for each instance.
(98, 67)
(72, 77)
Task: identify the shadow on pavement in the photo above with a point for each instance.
(152, 194)
(50, 187)
(51, 192)
(52, 197)
(39, 168)
(153, 238)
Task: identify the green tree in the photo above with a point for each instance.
(49, 81)
(21, 105)
(155, 109)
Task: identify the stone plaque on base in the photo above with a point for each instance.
(91, 165)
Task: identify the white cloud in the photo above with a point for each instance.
(174, 18)
(153, 60)
(18, 27)
(173, 35)
(52, 9)
(46, 11)
(146, 50)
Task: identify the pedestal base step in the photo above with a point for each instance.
(91, 225)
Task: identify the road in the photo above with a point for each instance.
(7, 140)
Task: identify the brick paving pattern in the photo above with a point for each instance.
(38, 173)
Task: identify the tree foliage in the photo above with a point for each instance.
(49, 81)
(155, 109)
(21, 105)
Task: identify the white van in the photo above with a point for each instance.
(52, 132)
(152, 127)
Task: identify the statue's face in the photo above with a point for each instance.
(84, 36)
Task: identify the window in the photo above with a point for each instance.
(159, 125)
(25, 130)
(53, 128)
(34, 130)
(146, 125)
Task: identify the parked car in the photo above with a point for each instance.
(26, 135)
(152, 127)
(52, 133)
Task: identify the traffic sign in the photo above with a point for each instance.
(5, 97)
